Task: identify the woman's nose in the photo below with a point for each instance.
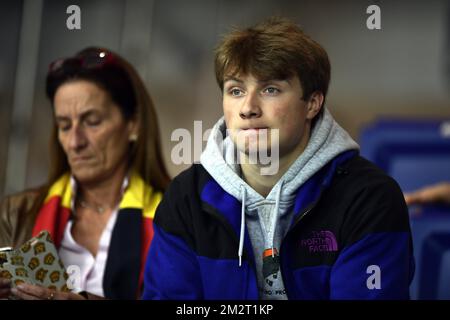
(77, 138)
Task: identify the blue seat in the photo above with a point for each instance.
(416, 153)
(412, 172)
(390, 137)
(424, 224)
(415, 170)
(434, 267)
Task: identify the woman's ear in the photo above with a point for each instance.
(133, 129)
(314, 104)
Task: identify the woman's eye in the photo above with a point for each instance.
(93, 122)
(63, 126)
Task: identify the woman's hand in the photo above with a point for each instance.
(5, 288)
(27, 291)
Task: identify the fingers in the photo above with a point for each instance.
(5, 293)
(435, 193)
(408, 199)
(443, 192)
(5, 288)
(431, 194)
(30, 292)
(422, 196)
(72, 296)
(412, 198)
(26, 291)
(5, 283)
(22, 295)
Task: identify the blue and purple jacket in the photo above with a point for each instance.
(349, 239)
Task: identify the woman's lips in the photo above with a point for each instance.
(79, 159)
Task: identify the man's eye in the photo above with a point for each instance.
(271, 90)
(235, 92)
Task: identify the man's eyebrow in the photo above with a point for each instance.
(231, 78)
(275, 80)
(264, 81)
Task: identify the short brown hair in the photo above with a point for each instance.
(274, 49)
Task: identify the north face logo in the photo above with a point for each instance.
(320, 241)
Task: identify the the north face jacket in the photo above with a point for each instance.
(348, 239)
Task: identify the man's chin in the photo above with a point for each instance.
(254, 153)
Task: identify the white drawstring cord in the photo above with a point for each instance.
(275, 216)
(242, 233)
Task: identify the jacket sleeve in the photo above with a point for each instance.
(376, 261)
(17, 217)
(5, 225)
(172, 270)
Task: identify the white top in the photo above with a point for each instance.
(85, 270)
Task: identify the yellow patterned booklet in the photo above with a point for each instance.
(35, 262)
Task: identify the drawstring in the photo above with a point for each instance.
(242, 234)
(275, 217)
(273, 222)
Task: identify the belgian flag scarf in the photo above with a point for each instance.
(130, 238)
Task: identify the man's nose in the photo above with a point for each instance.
(250, 107)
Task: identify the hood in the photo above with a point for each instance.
(327, 141)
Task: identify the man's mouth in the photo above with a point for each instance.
(255, 128)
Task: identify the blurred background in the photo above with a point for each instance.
(400, 71)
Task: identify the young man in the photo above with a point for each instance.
(323, 223)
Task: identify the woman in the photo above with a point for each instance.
(107, 177)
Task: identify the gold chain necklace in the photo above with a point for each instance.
(85, 205)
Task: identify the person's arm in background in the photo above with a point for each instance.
(11, 209)
(431, 194)
(5, 241)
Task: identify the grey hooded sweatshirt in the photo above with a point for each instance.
(267, 219)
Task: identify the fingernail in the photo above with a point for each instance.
(14, 290)
(20, 287)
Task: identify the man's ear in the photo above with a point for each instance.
(314, 104)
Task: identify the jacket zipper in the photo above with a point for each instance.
(305, 212)
(292, 227)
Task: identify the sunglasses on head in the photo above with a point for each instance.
(90, 60)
